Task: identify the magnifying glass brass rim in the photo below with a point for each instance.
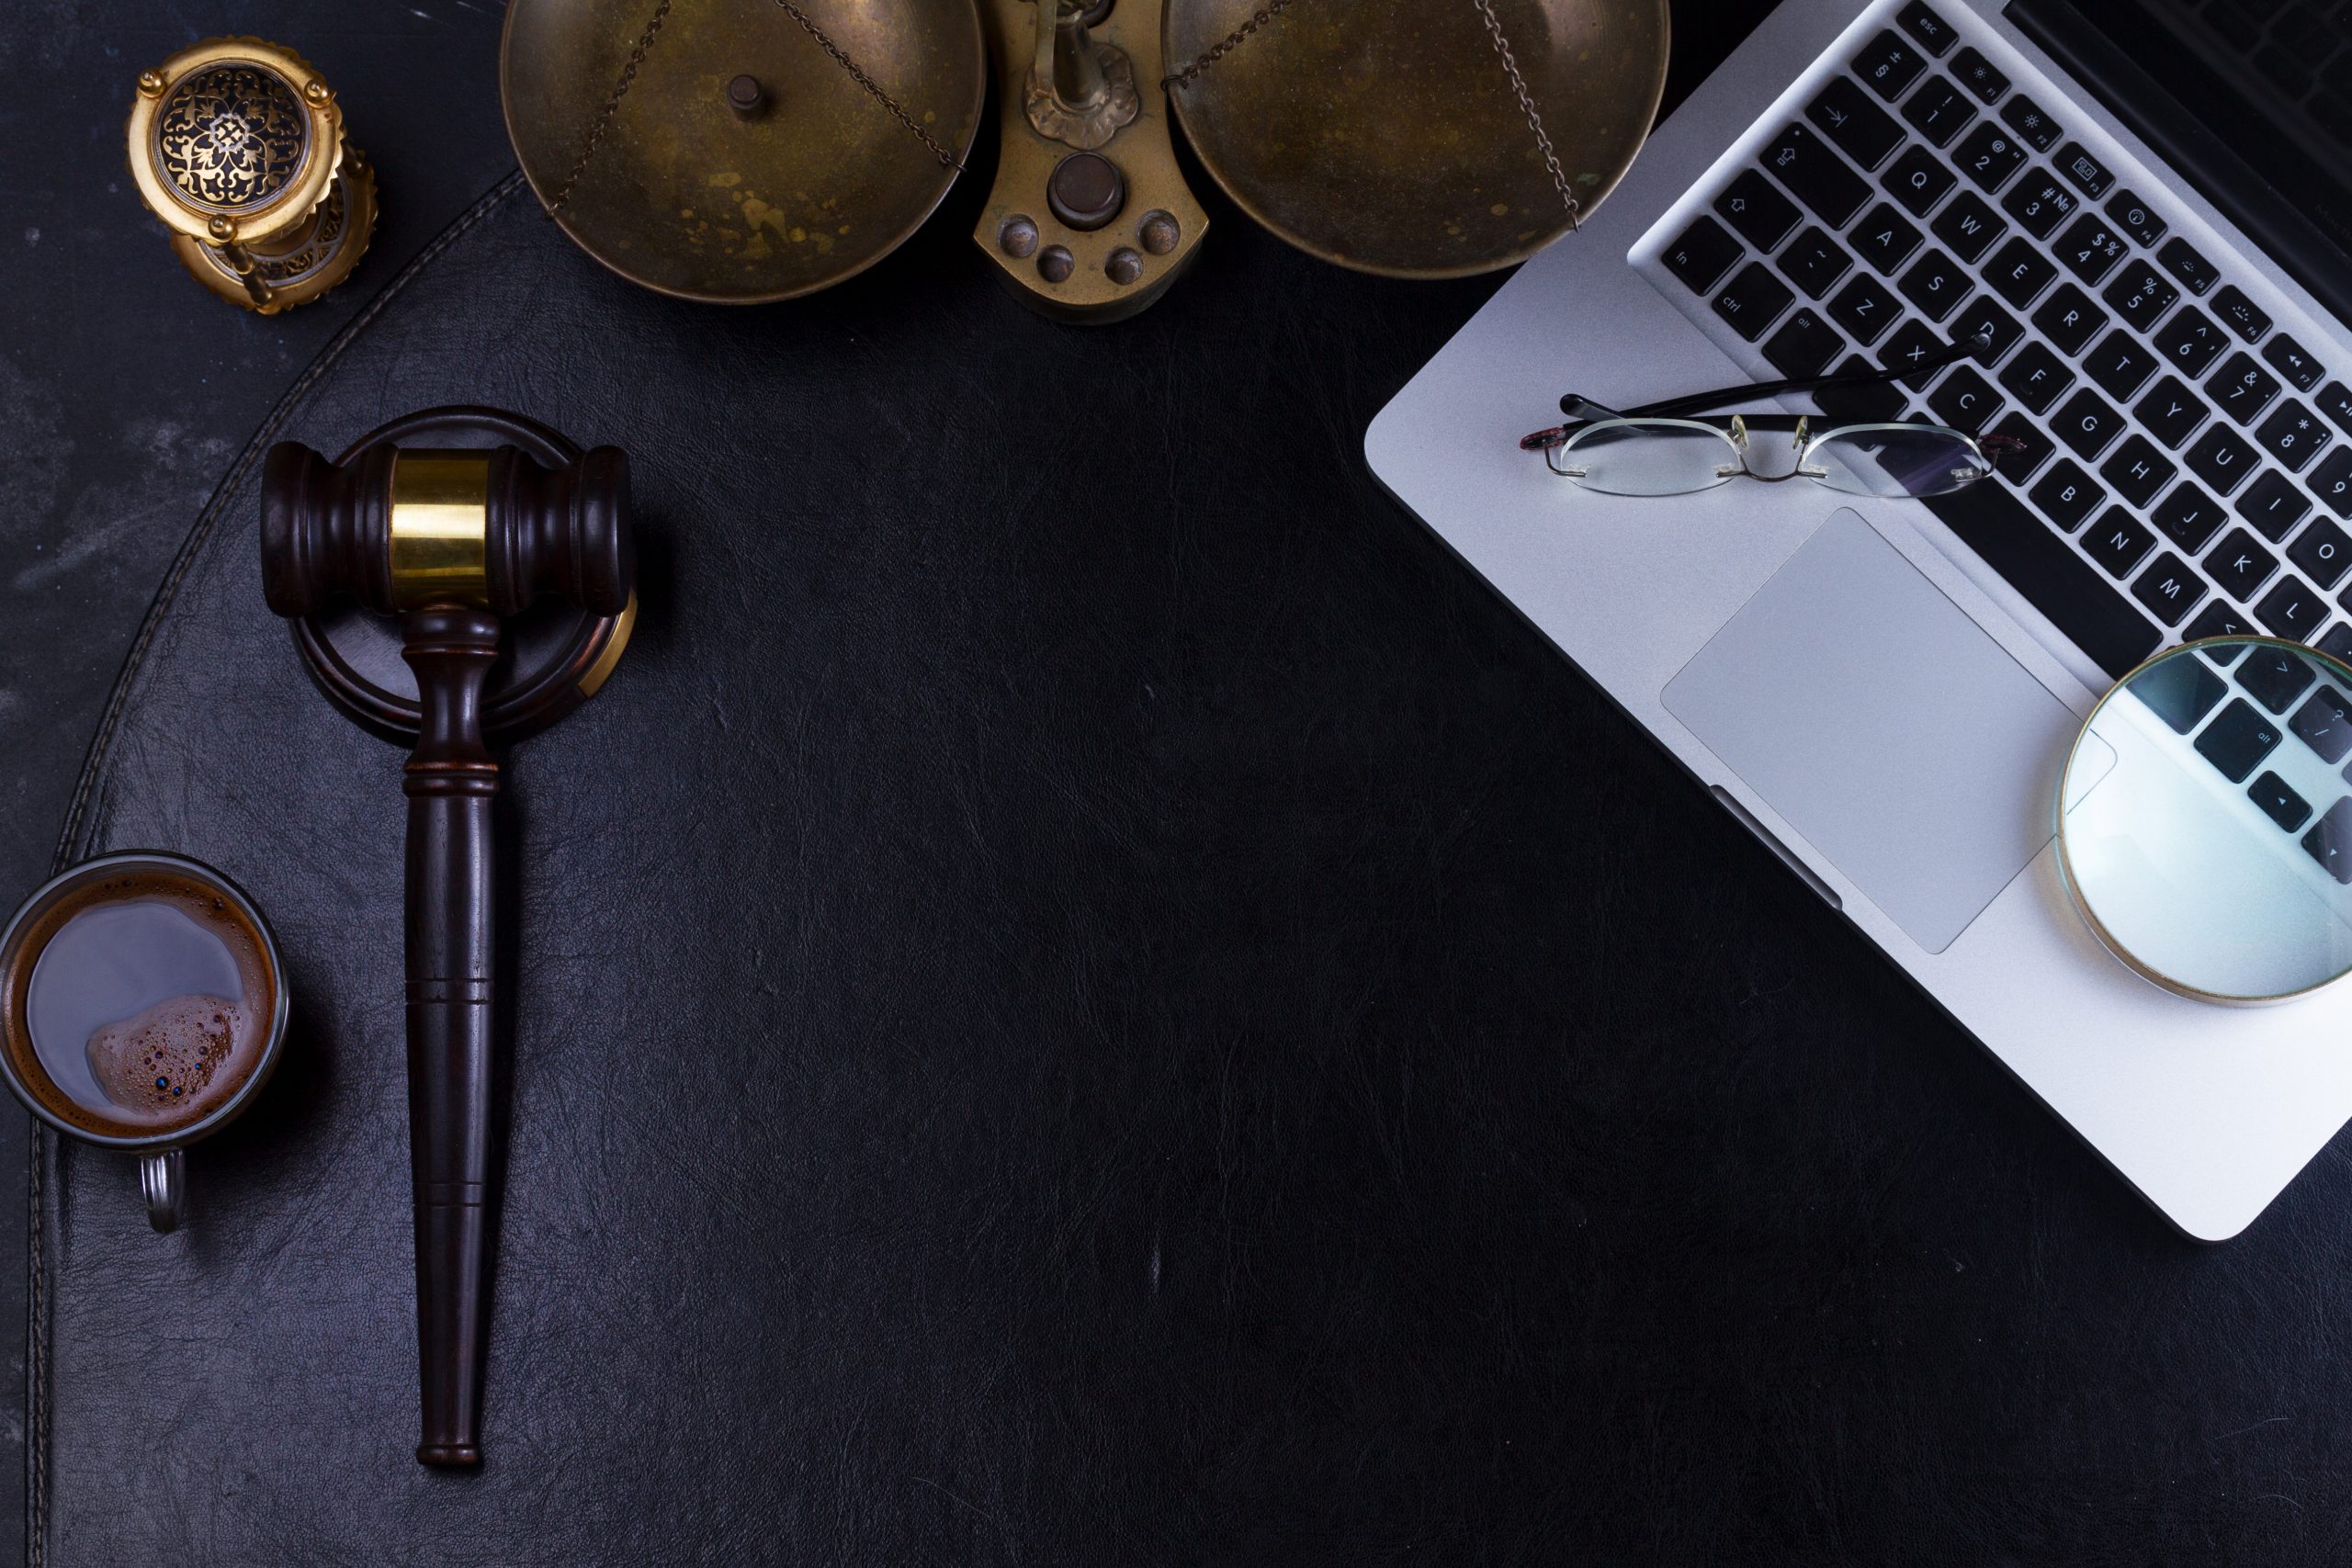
(2070, 874)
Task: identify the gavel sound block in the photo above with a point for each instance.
(461, 542)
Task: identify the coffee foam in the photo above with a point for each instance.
(171, 1062)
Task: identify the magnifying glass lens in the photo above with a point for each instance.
(2205, 821)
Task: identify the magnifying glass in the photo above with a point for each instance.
(2205, 820)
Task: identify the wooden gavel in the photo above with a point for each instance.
(450, 541)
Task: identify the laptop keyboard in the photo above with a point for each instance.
(2187, 470)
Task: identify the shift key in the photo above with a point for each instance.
(2033, 559)
(1819, 177)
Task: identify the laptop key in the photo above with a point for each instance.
(1990, 156)
(1919, 180)
(1935, 34)
(1805, 163)
(2169, 590)
(2243, 389)
(2189, 342)
(2272, 505)
(1935, 284)
(2086, 423)
(2020, 464)
(1877, 404)
(2336, 403)
(2181, 692)
(2171, 412)
(2220, 618)
(1983, 317)
(2332, 481)
(2222, 459)
(2138, 471)
(2120, 363)
(2336, 641)
(2118, 541)
(2070, 592)
(2291, 360)
(1754, 207)
(2243, 316)
(2325, 724)
(2090, 176)
(2240, 565)
(2090, 248)
(1969, 226)
(2292, 610)
(1887, 65)
(1813, 263)
(1848, 116)
(2330, 840)
(1702, 254)
(2136, 217)
(1911, 346)
(2039, 203)
(1965, 399)
(2279, 802)
(1754, 302)
(1803, 345)
(2069, 318)
(2274, 677)
(1885, 238)
(1865, 308)
(2067, 495)
(2293, 436)
(1939, 111)
(2184, 261)
(1976, 72)
(2017, 272)
(2024, 115)
(2141, 295)
(2189, 517)
(2238, 740)
(2324, 551)
(2036, 376)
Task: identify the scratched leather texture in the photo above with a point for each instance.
(1086, 996)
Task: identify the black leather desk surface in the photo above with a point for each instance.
(1062, 1021)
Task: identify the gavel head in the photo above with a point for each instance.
(403, 528)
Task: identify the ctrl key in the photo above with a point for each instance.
(2330, 840)
(1754, 302)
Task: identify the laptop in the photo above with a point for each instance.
(1885, 692)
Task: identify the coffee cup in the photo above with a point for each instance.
(143, 1007)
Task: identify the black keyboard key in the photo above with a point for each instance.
(2086, 423)
(2036, 376)
(1754, 302)
(1702, 254)
(2241, 564)
(2242, 315)
(2067, 495)
(1935, 34)
(2069, 318)
(2169, 590)
(2190, 341)
(1990, 156)
(2182, 260)
(1918, 181)
(1935, 284)
(2324, 551)
(2171, 412)
(1888, 66)
(2325, 724)
(2222, 459)
(2091, 247)
(2118, 541)
(2137, 219)
(1910, 346)
(1965, 400)
(2291, 360)
(1761, 214)
(2220, 618)
(2238, 740)
(2138, 471)
(1865, 308)
(2120, 363)
(2337, 641)
(2336, 403)
(2278, 802)
(2039, 203)
(2019, 463)
(1885, 238)
(1983, 318)
(1813, 263)
(1976, 72)
(2243, 389)
(2024, 117)
(2089, 176)
(2292, 434)
(1802, 161)
(2017, 272)
(1848, 116)
(2067, 589)
(1878, 403)
(2330, 840)
(2332, 481)
(1969, 226)
(2292, 610)
(2272, 505)
(1939, 111)
(1803, 345)
(2276, 677)
(2189, 517)
(2141, 295)
(2181, 692)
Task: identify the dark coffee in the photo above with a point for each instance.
(148, 1000)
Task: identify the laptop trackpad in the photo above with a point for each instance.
(1885, 725)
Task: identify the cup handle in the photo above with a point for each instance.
(164, 1178)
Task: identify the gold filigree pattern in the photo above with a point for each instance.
(231, 136)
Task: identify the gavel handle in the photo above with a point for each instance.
(450, 782)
